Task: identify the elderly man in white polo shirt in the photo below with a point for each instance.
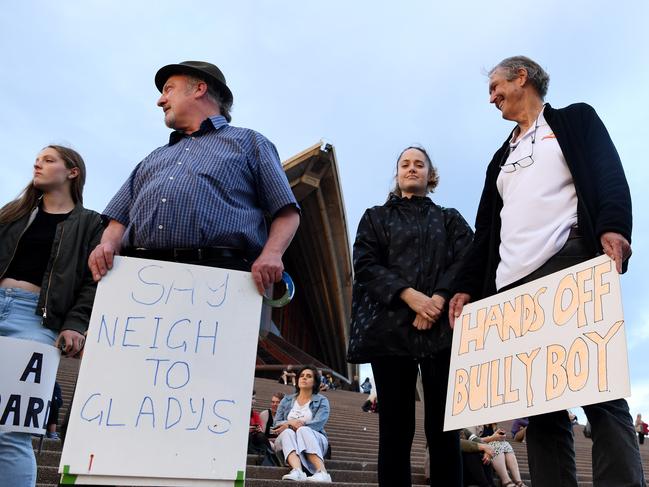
(555, 195)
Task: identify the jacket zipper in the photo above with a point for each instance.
(49, 279)
(420, 273)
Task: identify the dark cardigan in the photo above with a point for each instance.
(604, 200)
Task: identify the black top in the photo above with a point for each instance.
(269, 425)
(67, 290)
(603, 197)
(34, 249)
(407, 242)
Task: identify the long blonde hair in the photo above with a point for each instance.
(29, 197)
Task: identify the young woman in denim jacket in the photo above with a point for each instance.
(299, 424)
(46, 290)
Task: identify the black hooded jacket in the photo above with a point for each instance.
(407, 242)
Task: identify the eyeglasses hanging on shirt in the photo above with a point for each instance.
(526, 161)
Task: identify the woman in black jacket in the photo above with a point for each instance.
(406, 254)
(46, 290)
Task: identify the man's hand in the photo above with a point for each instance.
(100, 260)
(455, 306)
(268, 267)
(72, 340)
(266, 270)
(487, 452)
(616, 247)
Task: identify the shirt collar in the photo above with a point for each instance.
(208, 125)
(539, 122)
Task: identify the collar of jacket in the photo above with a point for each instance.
(395, 200)
(316, 399)
(78, 207)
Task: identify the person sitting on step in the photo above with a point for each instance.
(299, 426)
(504, 460)
(268, 415)
(287, 376)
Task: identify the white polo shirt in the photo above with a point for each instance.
(539, 204)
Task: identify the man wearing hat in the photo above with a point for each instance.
(203, 197)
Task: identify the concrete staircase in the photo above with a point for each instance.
(353, 435)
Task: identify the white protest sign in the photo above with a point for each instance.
(26, 384)
(554, 343)
(164, 390)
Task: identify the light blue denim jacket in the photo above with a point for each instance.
(319, 407)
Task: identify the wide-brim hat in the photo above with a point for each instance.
(205, 71)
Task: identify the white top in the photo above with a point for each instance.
(303, 413)
(539, 204)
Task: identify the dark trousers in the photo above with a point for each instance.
(395, 379)
(550, 441)
(476, 472)
(641, 438)
(53, 417)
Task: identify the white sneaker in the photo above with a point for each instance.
(320, 477)
(295, 474)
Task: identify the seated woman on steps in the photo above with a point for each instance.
(504, 459)
(299, 426)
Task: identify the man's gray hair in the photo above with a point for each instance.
(539, 78)
(214, 96)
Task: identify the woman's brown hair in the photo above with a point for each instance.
(316, 378)
(433, 176)
(28, 199)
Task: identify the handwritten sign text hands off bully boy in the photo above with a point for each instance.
(551, 344)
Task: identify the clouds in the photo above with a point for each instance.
(639, 400)
(370, 76)
(638, 334)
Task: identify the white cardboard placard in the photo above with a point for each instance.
(26, 384)
(164, 390)
(551, 344)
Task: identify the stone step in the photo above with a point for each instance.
(343, 476)
(353, 435)
(48, 474)
(51, 445)
(285, 483)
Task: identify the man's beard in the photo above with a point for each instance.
(170, 120)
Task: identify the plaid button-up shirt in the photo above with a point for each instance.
(211, 188)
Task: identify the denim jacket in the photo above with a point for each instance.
(319, 407)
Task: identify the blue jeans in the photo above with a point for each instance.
(17, 320)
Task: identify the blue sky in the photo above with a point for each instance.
(370, 77)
